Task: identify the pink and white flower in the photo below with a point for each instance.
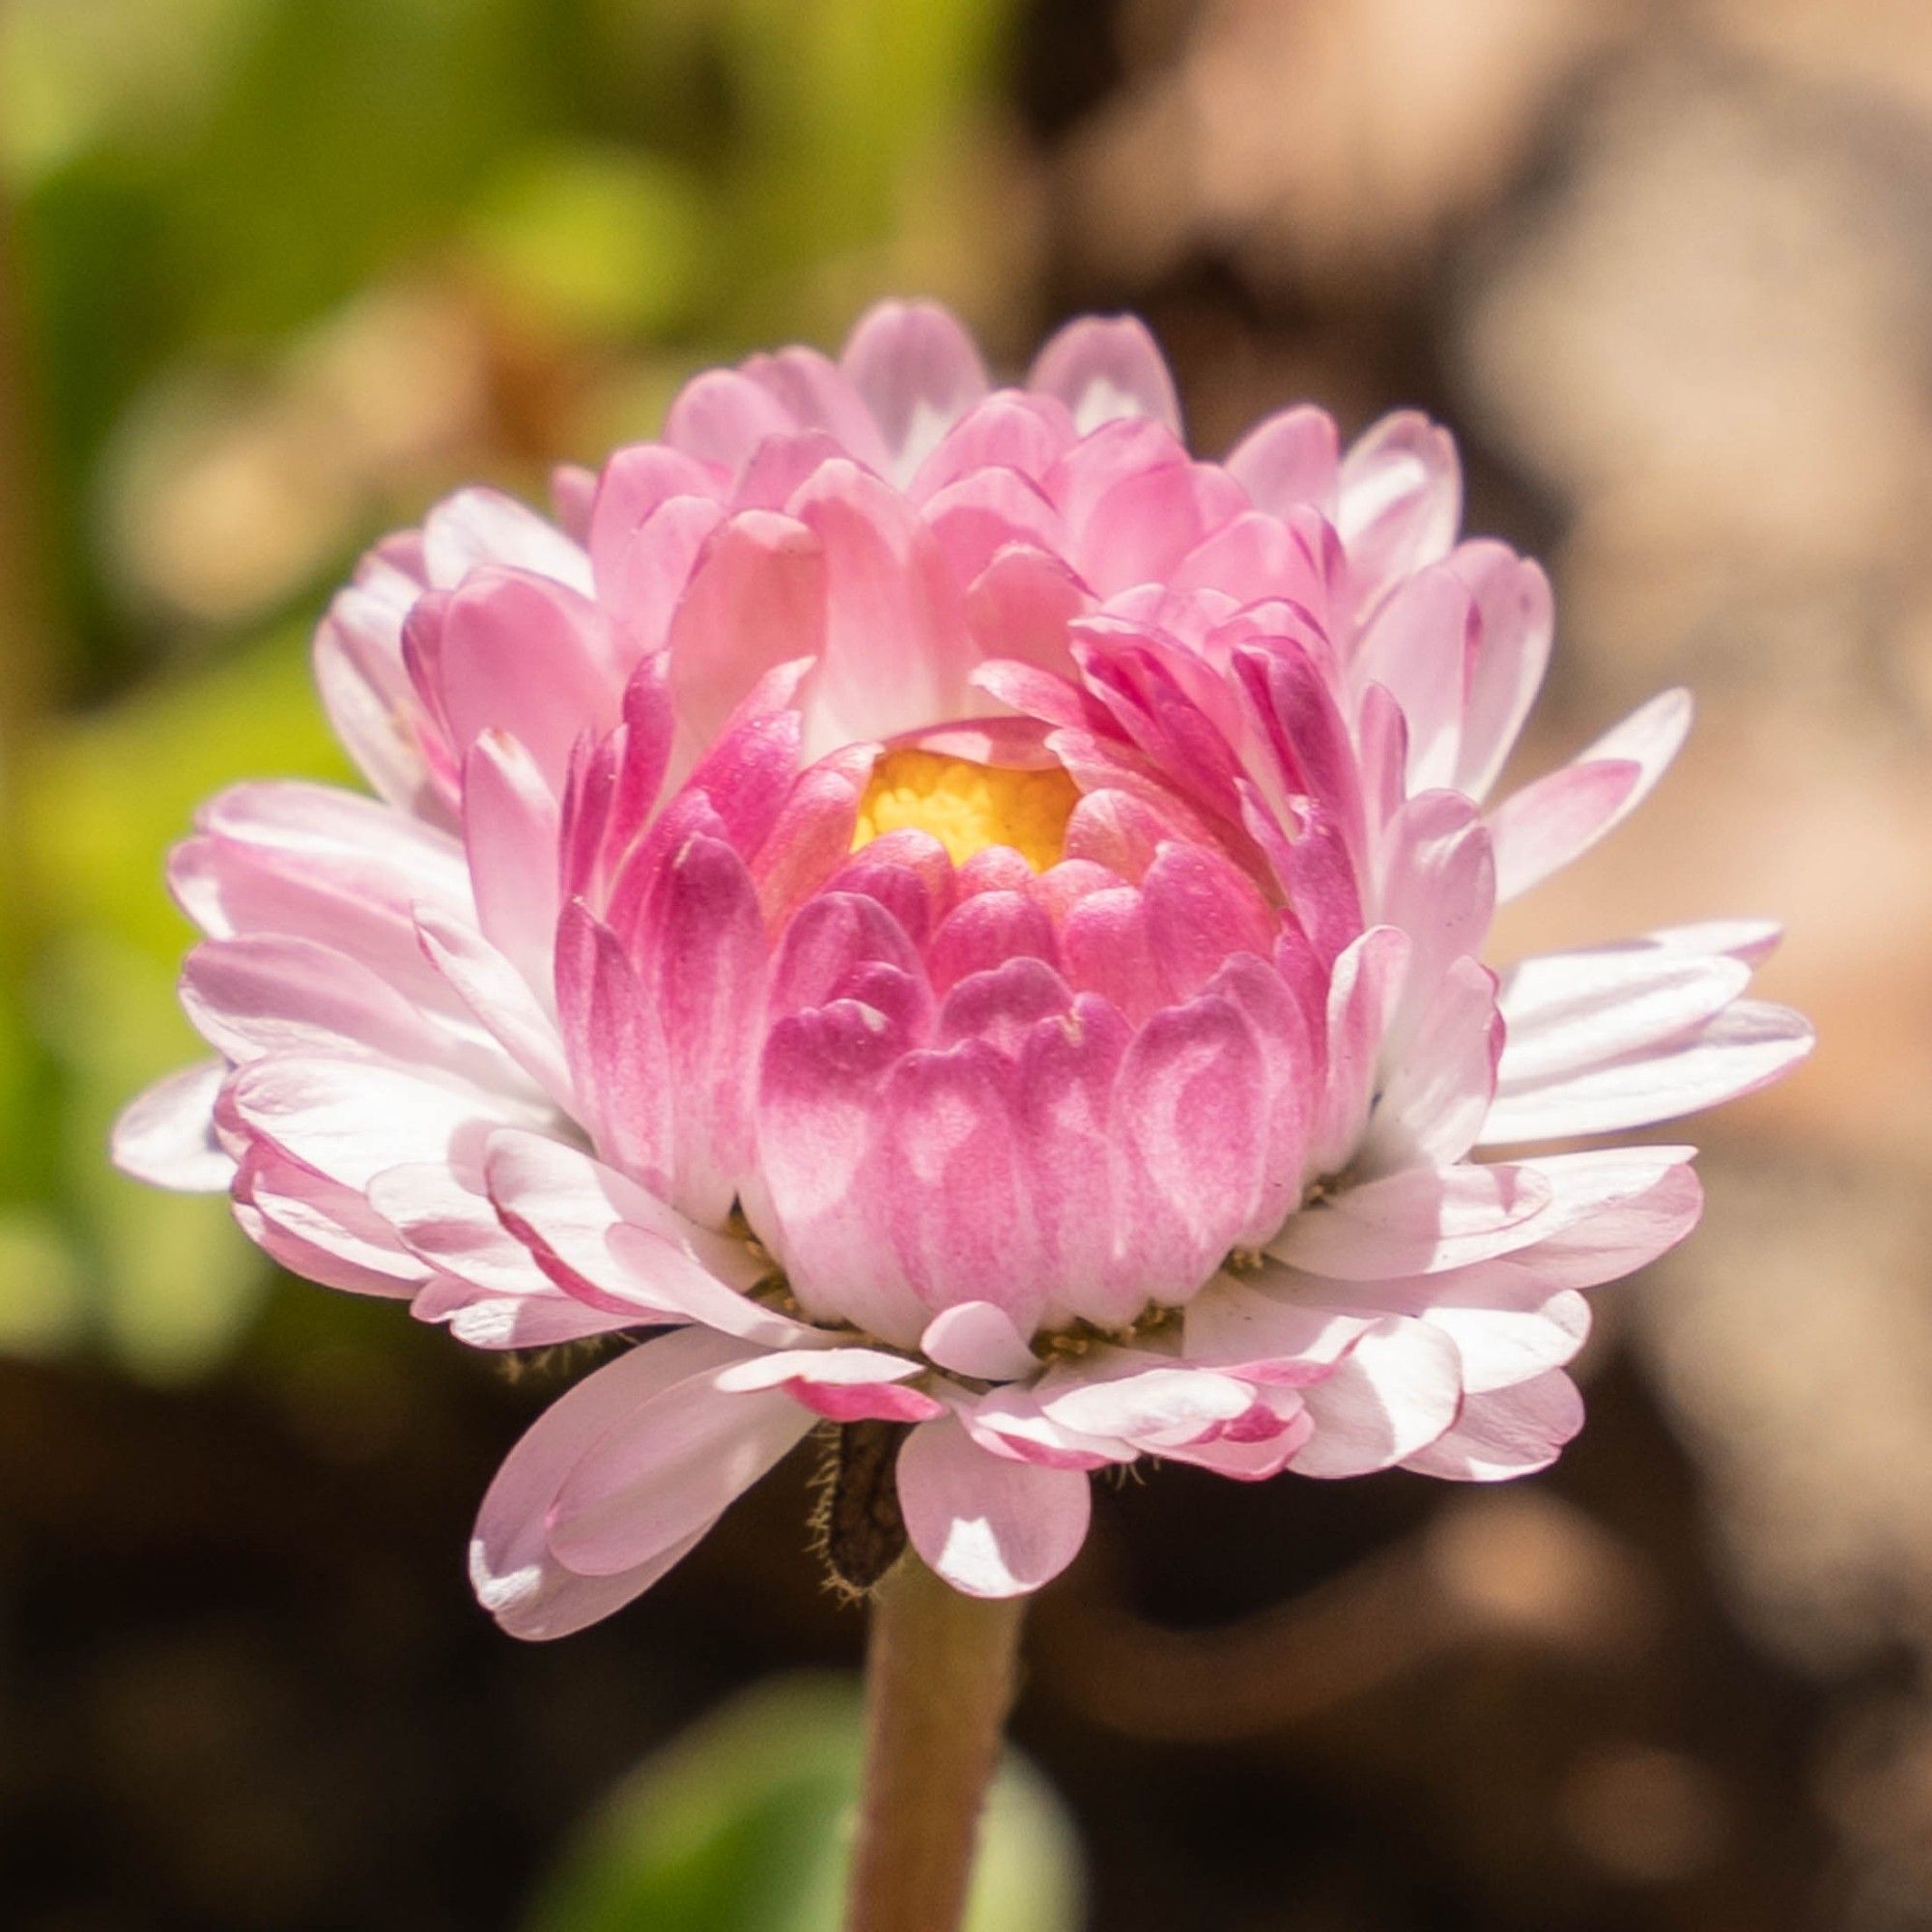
(950, 911)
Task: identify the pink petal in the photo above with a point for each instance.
(1104, 367)
(992, 1528)
(525, 655)
(897, 651)
(705, 939)
(1190, 1107)
(819, 1114)
(917, 371)
(755, 600)
(955, 1187)
(1290, 458)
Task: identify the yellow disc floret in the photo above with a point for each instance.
(968, 807)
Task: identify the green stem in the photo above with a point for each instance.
(939, 1677)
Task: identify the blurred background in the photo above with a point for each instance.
(274, 272)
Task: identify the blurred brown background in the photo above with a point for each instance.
(273, 272)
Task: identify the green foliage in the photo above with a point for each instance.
(744, 1826)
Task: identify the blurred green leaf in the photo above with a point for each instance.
(601, 239)
(744, 1824)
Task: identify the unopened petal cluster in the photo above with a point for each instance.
(937, 907)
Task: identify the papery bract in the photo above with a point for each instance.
(951, 912)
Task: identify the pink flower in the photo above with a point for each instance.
(955, 914)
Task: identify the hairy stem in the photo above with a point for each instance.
(939, 1674)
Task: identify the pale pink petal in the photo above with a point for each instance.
(1420, 647)
(1542, 828)
(1244, 1325)
(840, 1384)
(1417, 1222)
(1548, 824)
(1144, 1400)
(1508, 1433)
(1434, 1102)
(517, 1577)
(721, 416)
(268, 994)
(322, 1230)
(819, 395)
(637, 483)
(1743, 1048)
(476, 528)
(670, 1468)
(1363, 994)
(1438, 886)
(990, 1526)
(500, 998)
(1395, 1392)
(978, 1338)
(510, 831)
(1515, 624)
(348, 1120)
(604, 1237)
(1567, 1011)
(166, 1135)
(1400, 498)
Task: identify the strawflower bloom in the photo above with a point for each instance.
(949, 915)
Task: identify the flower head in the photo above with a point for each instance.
(964, 920)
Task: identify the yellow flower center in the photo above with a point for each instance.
(968, 807)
